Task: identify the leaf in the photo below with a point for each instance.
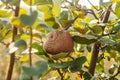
(13, 2)
(40, 67)
(56, 7)
(118, 47)
(39, 47)
(36, 71)
(114, 1)
(77, 64)
(112, 69)
(16, 22)
(87, 76)
(49, 19)
(12, 48)
(117, 9)
(44, 8)
(29, 19)
(4, 13)
(116, 27)
(80, 26)
(24, 58)
(24, 76)
(84, 39)
(64, 15)
(60, 65)
(28, 70)
(49, 29)
(20, 43)
(43, 2)
(23, 11)
(28, 2)
(106, 3)
(107, 41)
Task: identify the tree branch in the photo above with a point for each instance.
(68, 26)
(12, 56)
(61, 74)
(94, 58)
(31, 36)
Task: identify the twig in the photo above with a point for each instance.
(92, 12)
(61, 74)
(68, 26)
(118, 72)
(31, 35)
(109, 34)
(12, 56)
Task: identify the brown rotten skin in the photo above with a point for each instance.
(58, 41)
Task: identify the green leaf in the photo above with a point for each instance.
(24, 76)
(64, 15)
(107, 41)
(28, 70)
(44, 8)
(117, 9)
(49, 29)
(43, 2)
(13, 2)
(41, 67)
(105, 3)
(84, 39)
(20, 43)
(29, 19)
(36, 71)
(87, 76)
(112, 69)
(116, 27)
(60, 65)
(118, 47)
(77, 64)
(39, 48)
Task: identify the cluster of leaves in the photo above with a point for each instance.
(83, 24)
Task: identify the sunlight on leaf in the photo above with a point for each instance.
(56, 7)
(117, 9)
(5, 13)
(28, 2)
(24, 58)
(23, 11)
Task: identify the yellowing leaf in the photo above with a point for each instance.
(49, 19)
(23, 11)
(15, 22)
(4, 13)
(25, 36)
(114, 1)
(80, 14)
(56, 8)
(28, 2)
(117, 9)
(24, 58)
(36, 23)
(80, 26)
